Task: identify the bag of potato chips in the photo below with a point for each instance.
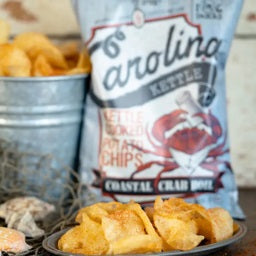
(156, 121)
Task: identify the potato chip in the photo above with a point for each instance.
(235, 227)
(173, 205)
(35, 44)
(29, 40)
(111, 206)
(179, 223)
(183, 239)
(176, 202)
(222, 224)
(72, 62)
(150, 212)
(203, 221)
(95, 212)
(178, 234)
(148, 225)
(125, 230)
(69, 49)
(178, 208)
(87, 238)
(122, 223)
(84, 61)
(52, 54)
(98, 210)
(158, 204)
(4, 32)
(1, 71)
(136, 244)
(77, 71)
(14, 62)
(41, 67)
(173, 208)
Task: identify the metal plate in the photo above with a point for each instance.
(50, 244)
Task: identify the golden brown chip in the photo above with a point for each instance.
(126, 232)
(222, 224)
(69, 49)
(95, 212)
(135, 244)
(14, 62)
(77, 71)
(98, 210)
(4, 32)
(177, 223)
(183, 239)
(150, 212)
(87, 238)
(120, 226)
(122, 223)
(84, 62)
(52, 54)
(176, 202)
(173, 209)
(41, 67)
(172, 205)
(1, 71)
(180, 209)
(235, 227)
(72, 62)
(204, 223)
(178, 234)
(111, 206)
(148, 225)
(35, 44)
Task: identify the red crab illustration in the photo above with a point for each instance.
(182, 132)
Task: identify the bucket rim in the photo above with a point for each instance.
(42, 78)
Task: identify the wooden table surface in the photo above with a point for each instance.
(247, 247)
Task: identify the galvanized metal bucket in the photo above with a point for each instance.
(43, 115)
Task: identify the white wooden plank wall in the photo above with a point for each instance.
(55, 18)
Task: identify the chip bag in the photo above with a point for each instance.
(156, 120)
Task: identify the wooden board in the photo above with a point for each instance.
(56, 17)
(53, 17)
(247, 23)
(241, 91)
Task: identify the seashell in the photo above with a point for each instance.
(22, 213)
(12, 241)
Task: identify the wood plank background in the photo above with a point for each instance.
(55, 18)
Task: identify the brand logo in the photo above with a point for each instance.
(158, 60)
(209, 9)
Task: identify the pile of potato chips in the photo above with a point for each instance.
(33, 54)
(115, 228)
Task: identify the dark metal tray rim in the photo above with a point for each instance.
(50, 245)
